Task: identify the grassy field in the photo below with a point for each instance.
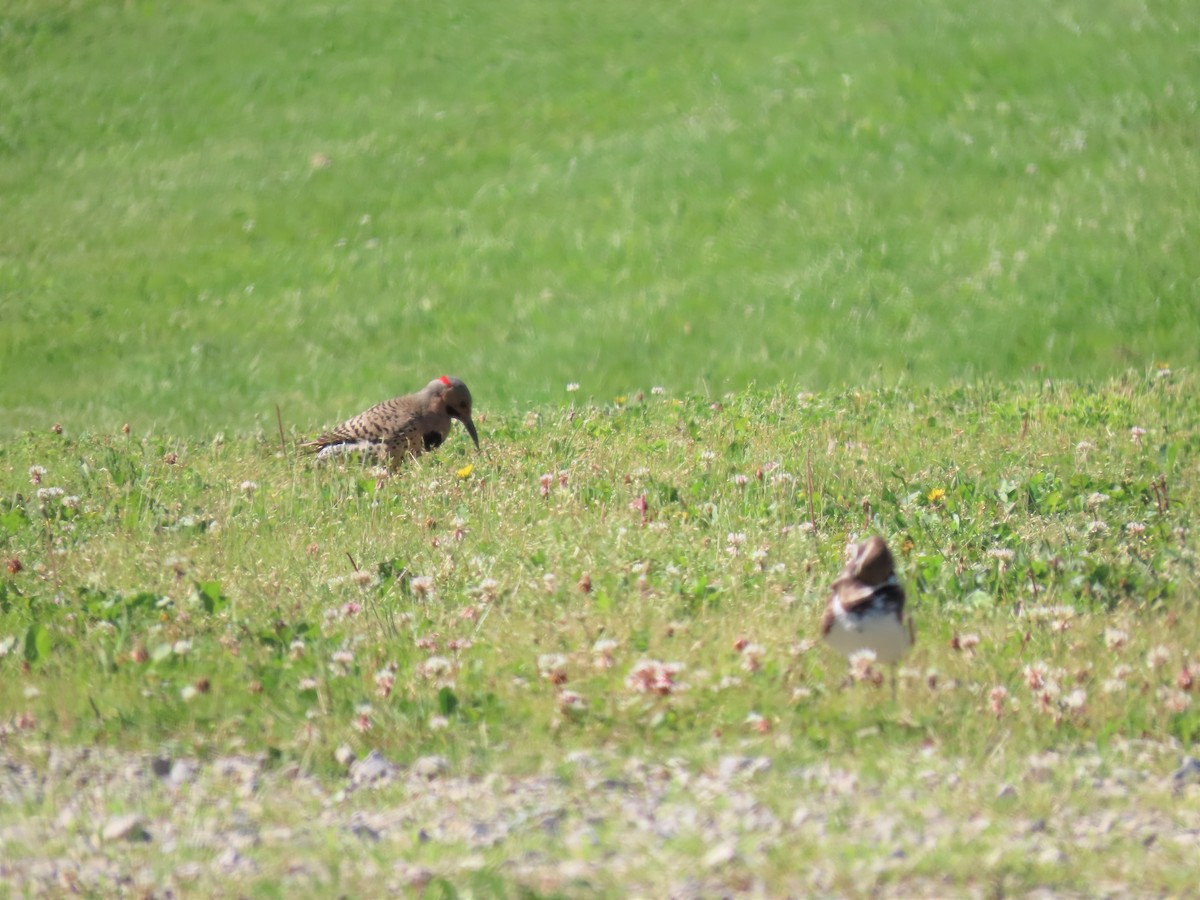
(211, 209)
(817, 270)
(492, 612)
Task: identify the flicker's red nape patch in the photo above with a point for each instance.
(445, 379)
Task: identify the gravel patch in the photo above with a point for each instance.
(1125, 822)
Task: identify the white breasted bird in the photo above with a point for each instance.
(404, 426)
(866, 606)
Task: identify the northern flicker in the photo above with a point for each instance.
(404, 426)
(866, 606)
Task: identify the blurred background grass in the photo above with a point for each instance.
(210, 208)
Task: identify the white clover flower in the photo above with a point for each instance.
(553, 667)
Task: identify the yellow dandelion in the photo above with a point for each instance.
(465, 471)
(936, 494)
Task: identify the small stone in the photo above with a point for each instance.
(125, 828)
(373, 767)
(720, 855)
(344, 756)
(582, 759)
(1052, 856)
(1187, 773)
(1006, 792)
(161, 766)
(182, 772)
(430, 767)
(413, 876)
(730, 766)
(551, 824)
(229, 859)
(365, 832)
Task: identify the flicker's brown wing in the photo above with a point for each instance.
(388, 421)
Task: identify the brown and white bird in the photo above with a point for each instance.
(866, 607)
(403, 426)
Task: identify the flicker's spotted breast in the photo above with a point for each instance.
(403, 426)
(866, 606)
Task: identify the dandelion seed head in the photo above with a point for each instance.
(571, 701)
(553, 667)
(752, 655)
(1158, 657)
(862, 665)
(1035, 675)
(649, 676)
(1175, 701)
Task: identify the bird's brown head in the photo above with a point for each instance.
(871, 562)
(457, 400)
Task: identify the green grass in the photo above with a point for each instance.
(966, 230)
(695, 195)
